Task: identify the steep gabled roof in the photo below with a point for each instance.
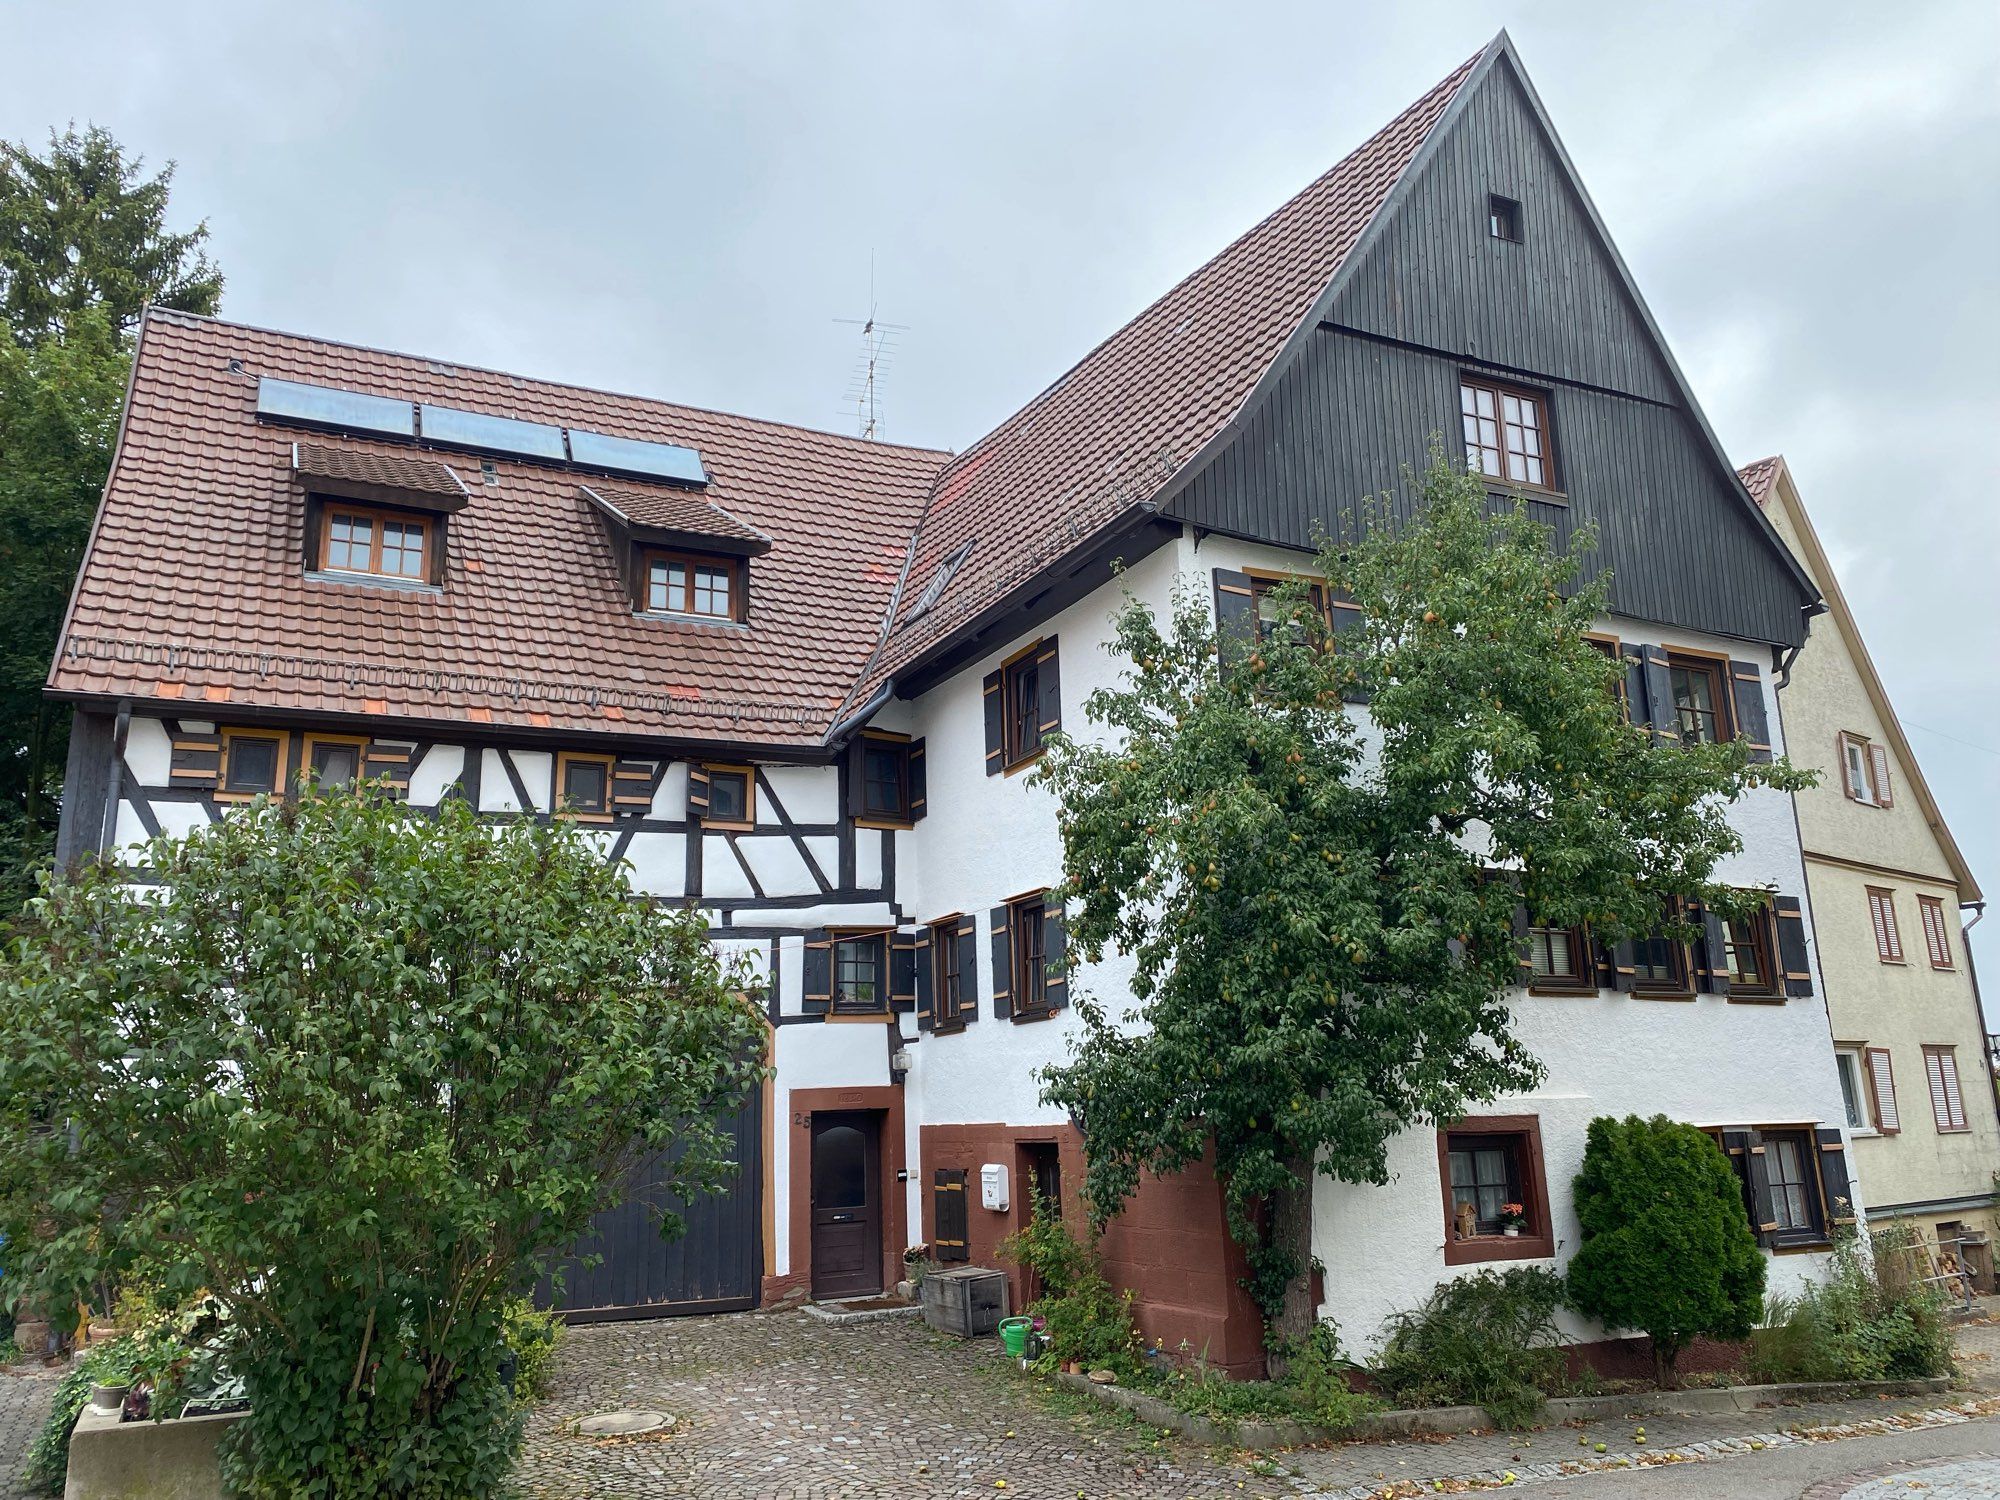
(1769, 480)
(192, 588)
(1143, 406)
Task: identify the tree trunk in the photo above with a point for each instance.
(1291, 1235)
(1666, 1358)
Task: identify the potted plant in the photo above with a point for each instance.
(1513, 1218)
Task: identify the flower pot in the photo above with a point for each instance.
(109, 1397)
(1512, 1231)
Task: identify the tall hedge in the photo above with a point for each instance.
(1667, 1246)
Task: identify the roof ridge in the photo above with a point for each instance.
(862, 444)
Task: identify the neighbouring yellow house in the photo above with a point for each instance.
(1887, 886)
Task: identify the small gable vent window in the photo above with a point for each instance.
(1503, 218)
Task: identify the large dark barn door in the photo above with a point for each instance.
(714, 1267)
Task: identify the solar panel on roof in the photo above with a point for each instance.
(617, 455)
(489, 434)
(324, 406)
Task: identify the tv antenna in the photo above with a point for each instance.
(879, 344)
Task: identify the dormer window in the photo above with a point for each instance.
(685, 583)
(357, 540)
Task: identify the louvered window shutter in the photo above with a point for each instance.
(1833, 1176)
(903, 971)
(968, 968)
(1843, 747)
(919, 781)
(1055, 948)
(1888, 940)
(1003, 962)
(996, 733)
(816, 973)
(1748, 701)
(1712, 952)
(1048, 684)
(1882, 1086)
(1235, 614)
(1878, 762)
(697, 793)
(948, 1215)
(1788, 917)
(926, 993)
(1660, 710)
(1947, 1104)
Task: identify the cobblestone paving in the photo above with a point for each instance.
(24, 1406)
(1961, 1479)
(782, 1407)
(785, 1407)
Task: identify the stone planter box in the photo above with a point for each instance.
(176, 1460)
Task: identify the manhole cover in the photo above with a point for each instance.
(623, 1423)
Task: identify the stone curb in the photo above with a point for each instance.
(826, 1314)
(1263, 1437)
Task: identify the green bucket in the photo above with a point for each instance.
(1014, 1335)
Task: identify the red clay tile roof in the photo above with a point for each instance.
(424, 476)
(1758, 477)
(1134, 410)
(675, 510)
(193, 587)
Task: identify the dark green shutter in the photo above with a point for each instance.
(1055, 948)
(926, 991)
(902, 971)
(1833, 1176)
(968, 967)
(919, 780)
(949, 1216)
(816, 975)
(1747, 684)
(1003, 962)
(697, 793)
(996, 734)
(1048, 689)
(1789, 917)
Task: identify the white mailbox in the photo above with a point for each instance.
(993, 1186)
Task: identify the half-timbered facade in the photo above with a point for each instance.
(795, 680)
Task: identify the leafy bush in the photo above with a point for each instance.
(1487, 1339)
(371, 1072)
(1058, 1259)
(533, 1337)
(1864, 1322)
(1666, 1246)
(46, 1466)
(1315, 1389)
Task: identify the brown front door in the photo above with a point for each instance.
(846, 1208)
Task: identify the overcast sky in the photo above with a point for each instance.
(683, 200)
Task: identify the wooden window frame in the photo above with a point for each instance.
(1681, 986)
(377, 516)
(1501, 391)
(1941, 1085)
(1889, 1121)
(1874, 766)
(1504, 214)
(1937, 935)
(1764, 943)
(739, 593)
(748, 821)
(880, 938)
(1882, 924)
(1030, 974)
(558, 801)
(1537, 1239)
(1021, 743)
(1864, 1086)
(1583, 982)
(1264, 582)
(947, 979)
(883, 739)
(1716, 668)
(1816, 1233)
(359, 742)
(281, 777)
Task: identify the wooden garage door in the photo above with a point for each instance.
(716, 1266)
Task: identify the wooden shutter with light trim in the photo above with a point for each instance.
(1789, 920)
(949, 1216)
(1882, 915)
(903, 971)
(996, 733)
(1878, 765)
(697, 793)
(1937, 935)
(1747, 698)
(1055, 954)
(816, 973)
(1048, 689)
(1839, 1193)
(1002, 931)
(1882, 1090)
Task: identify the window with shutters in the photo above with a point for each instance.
(1882, 917)
(1273, 610)
(1661, 967)
(885, 778)
(1021, 685)
(1506, 433)
(253, 763)
(1947, 1103)
(1559, 961)
(1937, 936)
(949, 982)
(583, 785)
(1797, 1204)
(1027, 927)
(1490, 1172)
(1700, 699)
(732, 792)
(1750, 950)
(1882, 1090)
(334, 761)
(860, 974)
(1855, 1089)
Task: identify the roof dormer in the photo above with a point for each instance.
(682, 557)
